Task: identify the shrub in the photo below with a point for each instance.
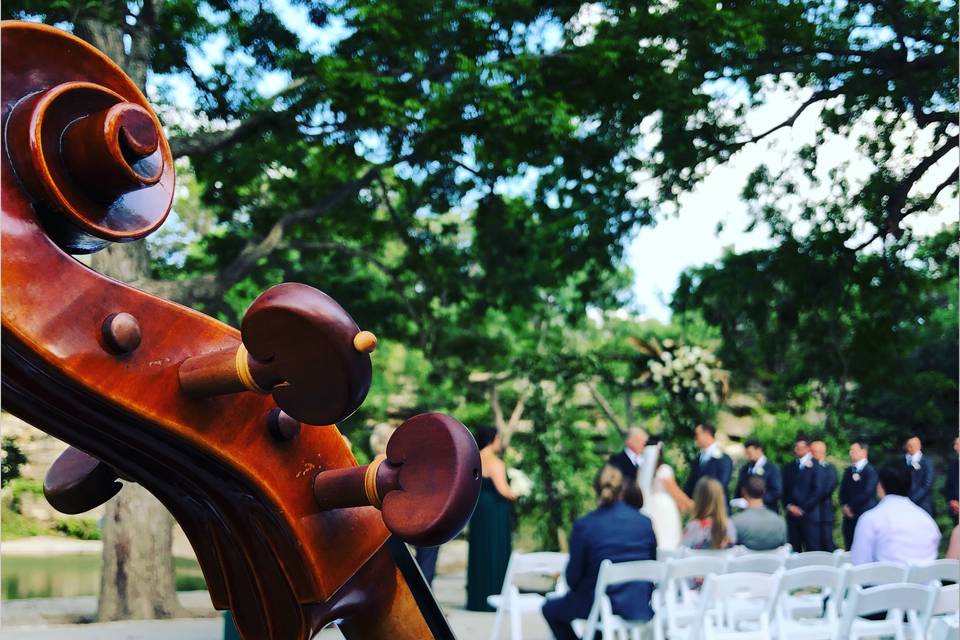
(82, 528)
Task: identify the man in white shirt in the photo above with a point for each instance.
(896, 530)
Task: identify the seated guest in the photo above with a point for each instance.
(615, 532)
(710, 527)
(953, 551)
(757, 527)
(896, 530)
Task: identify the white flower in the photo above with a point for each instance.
(699, 397)
(520, 483)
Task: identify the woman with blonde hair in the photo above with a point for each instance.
(710, 527)
(618, 532)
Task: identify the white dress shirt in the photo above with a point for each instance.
(635, 458)
(896, 530)
(709, 452)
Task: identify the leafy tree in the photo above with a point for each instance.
(13, 459)
(871, 338)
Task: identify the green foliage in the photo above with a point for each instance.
(558, 457)
(869, 338)
(82, 528)
(15, 525)
(13, 459)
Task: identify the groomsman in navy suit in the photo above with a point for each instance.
(951, 488)
(921, 475)
(858, 490)
(712, 463)
(758, 465)
(828, 484)
(801, 498)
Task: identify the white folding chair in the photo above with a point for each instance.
(725, 592)
(894, 600)
(809, 559)
(677, 601)
(841, 557)
(942, 629)
(946, 607)
(602, 615)
(817, 583)
(670, 554)
(544, 563)
(939, 571)
(755, 563)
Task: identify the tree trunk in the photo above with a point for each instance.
(137, 576)
(137, 579)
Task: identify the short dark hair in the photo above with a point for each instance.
(709, 428)
(895, 479)
(484, 436)
(862, 444)
(801, 437)
(752, 443)
(754, 487)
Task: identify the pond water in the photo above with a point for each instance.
(65, 576)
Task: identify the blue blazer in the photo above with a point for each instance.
(859, 494)
(921, 485)
(771, 475)
(720, 469)
(618, 533)
(828, 484)
(801, 486)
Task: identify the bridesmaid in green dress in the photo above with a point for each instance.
(489, 534)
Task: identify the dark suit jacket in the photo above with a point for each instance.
(861, 494)
(720, 469)
(828, 484)
(921, 485)
(622, 461)
(951, 490)
(801, 486)
(618, 533)
(771, 475)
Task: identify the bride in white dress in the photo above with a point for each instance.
(663, 498)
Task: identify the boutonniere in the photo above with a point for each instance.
(717, 455)
(856, 477)
(758, 472)
(808, 464)
(916, 465)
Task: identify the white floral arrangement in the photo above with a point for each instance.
(520, 483)
(687, 370)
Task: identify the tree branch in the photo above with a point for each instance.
(606, 408)
(203, 142)
(898, 199)
(818, 96)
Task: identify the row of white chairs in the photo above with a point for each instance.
(809, 603)
(807, 596)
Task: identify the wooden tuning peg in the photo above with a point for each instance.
(77, 482)
(299, 345)
(427, 484)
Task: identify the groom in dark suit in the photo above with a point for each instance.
(758, 465)
(630, 459)
(801, 498)
(712, 462)
(921, 475)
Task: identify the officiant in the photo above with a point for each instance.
(630, 460)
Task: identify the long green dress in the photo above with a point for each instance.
(490, 545)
